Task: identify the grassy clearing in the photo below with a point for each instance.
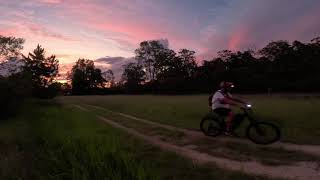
(62, 143)
(231, 150)
(296, 115)
(52, 141)
(151, 130)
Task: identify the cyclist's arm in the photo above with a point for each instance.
(232, 101)
(237, 100)
(227, 100)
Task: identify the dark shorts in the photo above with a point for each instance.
(222, 111)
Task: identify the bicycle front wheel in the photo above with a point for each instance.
(263, 133)
(211, 127)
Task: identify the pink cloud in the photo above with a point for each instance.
(123, 19)
(25, 23)
(111, 18)
(264, 22)
(235, 41)
(8, 31)
(64, 68)
(51, 1)
(29, 28)
(63, 56)
(40, 30)
(239, 38)
(135, 32)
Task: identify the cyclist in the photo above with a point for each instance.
(221, 102)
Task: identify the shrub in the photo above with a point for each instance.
(13, 91)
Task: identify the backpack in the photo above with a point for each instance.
(210, 100)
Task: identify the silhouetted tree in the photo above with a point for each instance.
(166, 62)
(43, 70)
(149, 54)
(316, 40)
(188, 62)
(85, 77)
(15, 86)
(175, 71)
(133, 76)
(276, 50)
(209, 75)
(10, 46)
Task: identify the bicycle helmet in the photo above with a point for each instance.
(226, 85)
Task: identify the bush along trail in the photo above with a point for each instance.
(280, 160)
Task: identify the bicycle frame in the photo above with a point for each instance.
(259, 128)
(237, 122)
(242, 117)
(247, 115)
(250, 119)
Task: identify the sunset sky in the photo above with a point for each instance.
(112, 29)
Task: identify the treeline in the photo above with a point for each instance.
(279, 67)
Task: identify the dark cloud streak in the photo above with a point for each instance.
(114, 63)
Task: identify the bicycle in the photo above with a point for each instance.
(259, 132)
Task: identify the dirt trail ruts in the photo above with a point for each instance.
(299, 171)
(309, 149)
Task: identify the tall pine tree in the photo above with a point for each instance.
(43, 69)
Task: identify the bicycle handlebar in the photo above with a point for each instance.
(246, 108)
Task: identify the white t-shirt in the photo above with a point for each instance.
(216, 100)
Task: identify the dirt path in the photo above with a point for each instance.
(298, 171)
(309, 149)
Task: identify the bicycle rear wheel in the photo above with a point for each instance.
(263, 133)
(211, 126)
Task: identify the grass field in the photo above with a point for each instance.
(56, 140)
(296, 115)
(236, 150)
(48, 140)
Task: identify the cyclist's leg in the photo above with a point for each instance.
(225, 113)
(229, 121)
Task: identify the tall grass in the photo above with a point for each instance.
(86, 158)
(53, 141)
(64, 143)
(298, 116)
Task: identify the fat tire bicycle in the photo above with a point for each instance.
(259, 132)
